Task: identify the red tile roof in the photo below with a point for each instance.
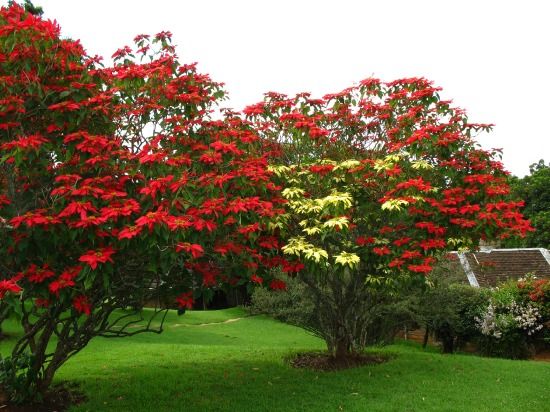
(490, 268)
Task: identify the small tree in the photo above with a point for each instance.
(534, 189)
(117, 188)
(299, 305)
(379, 179)
(447, 307)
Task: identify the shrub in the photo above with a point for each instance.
(19, 378)
(515, 321)
(381, 316)
(117, 187)
(447, 309)
(380, 180)
(293, 305)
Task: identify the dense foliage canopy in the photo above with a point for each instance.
(380, 179)
(127, 185)
(118, 187)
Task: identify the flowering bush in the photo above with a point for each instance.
(117, 187)
(495, 321)
(296, 305)
(379, 180)
(516, 319)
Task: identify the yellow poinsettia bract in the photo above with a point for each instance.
(394, 204)
(347, 259)
(315, 253)
(337, 222)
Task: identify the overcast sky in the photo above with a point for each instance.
(491, 57)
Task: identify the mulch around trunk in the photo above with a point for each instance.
(325, 362)
(543, 355)
(59, 399)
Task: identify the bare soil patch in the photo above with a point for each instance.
(543, 356)
(59, 399)
(325, 362)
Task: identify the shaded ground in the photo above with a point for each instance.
(59, 399)
(324, 362)
(543, 356)
(417, 335)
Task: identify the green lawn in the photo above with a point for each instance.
(239, 366)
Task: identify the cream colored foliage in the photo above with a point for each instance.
(296, 245)
(460, 244)
(387, 162)
(299, 246)
(311, 226)
(306, 206)
(279, 169)
(293, 192)
(317, 206)
(316, 254)
(312, 230)
(348, 164)
(337, 222)
(421, 164)
(347, 259)
(394, 204)
(338, 198)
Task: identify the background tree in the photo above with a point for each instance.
(379, 179)
(447, 307)
(117, 188)
(534, 189)
(296, 305)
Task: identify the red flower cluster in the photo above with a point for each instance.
(94, 257)
(82, 305)
(277, 284)
(415, 159)
(185, 300)
(8, 285)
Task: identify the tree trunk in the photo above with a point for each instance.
(426, 336)
(448, 344)
(342, 350)
(47, 378)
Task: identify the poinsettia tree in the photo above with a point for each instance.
(380, 180)
(118, 187)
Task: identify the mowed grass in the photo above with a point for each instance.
(201, 364)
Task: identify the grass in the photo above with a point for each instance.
(239, 366)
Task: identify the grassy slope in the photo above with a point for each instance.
(239, 366)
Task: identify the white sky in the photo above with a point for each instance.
(491, 57)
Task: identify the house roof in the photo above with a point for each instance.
(489, 268)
